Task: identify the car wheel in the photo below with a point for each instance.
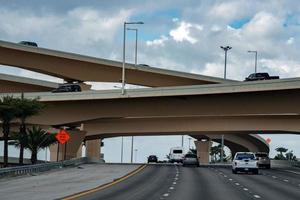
(255, 171)
(234, 171)
(268, 166)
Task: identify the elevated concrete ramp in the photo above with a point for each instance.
(10, 83)
(69, 66)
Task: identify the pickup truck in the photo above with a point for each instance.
(260, 76)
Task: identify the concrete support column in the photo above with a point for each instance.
(203, 149)
(93, 150)
(71, 149)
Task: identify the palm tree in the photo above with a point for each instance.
(214, 151)
(36, 139)
(281, 150)
(26, 108)
(7, 114)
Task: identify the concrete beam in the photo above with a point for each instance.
(203, 149)
(238, 104)
(192, 125)
(93, 149)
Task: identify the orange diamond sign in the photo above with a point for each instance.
(62, 136)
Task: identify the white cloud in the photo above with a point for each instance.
(158, 42)
(183, 32)
(290, 41)
(263, 24)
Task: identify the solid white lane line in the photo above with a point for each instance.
(257, 196)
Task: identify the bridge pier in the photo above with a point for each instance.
(93, 150)
(71, 150)
(203, 149)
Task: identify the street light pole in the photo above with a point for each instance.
(122, 149)
(225, 49)
(255, 66)
(225, 64)
(124, 47)
(131, 158)
(136, 46)
(135, 155)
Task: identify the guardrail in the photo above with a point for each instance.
(29, 169)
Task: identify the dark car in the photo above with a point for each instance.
(28, 43)
(263, 160)
(260, 76)
(69, 87)
(153, 159)
(190, 159)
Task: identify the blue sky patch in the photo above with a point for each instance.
(237, 24)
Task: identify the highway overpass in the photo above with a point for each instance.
(179, 103)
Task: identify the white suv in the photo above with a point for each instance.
(244, 162)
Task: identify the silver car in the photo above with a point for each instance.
(190, 159)
(263, 160)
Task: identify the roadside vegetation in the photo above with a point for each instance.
(284, 154)
(15, 111)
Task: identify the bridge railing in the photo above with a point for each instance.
(29, 169)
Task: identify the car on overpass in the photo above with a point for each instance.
(244, 162)
(67, 87)
(260, 76)
(29, 43)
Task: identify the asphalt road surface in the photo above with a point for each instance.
(189, 183)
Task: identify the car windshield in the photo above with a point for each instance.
(177, 151)
(244, 156)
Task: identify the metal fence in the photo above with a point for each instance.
(30, 169)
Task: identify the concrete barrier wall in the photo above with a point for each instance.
(284, 163)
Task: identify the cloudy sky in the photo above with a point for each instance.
(179, 35)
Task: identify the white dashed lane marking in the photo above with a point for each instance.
(166, 194)
(285, 180)
(241, 186)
